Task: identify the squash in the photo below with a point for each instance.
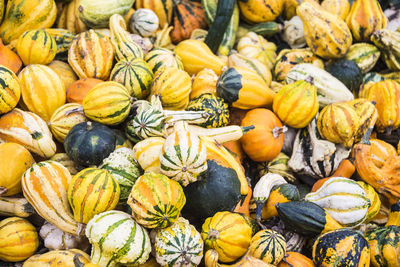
(338, 7)
(123, 232)
(36, 47)
(18, 239)
(348, 72)
(292, 259)
(381, 151)
(211, 260)
(24, 15)
(266, 140)
(64, 71)
(255, 11)
(135, 75)
(364, 55)
(77, 91)
(159, 58)
(278, 165)
(64, 160)
(10, 90)
(163, 9)
(341, 247)
(28, 130)
(374, 200)
(386, 40)
(11, 206)
(227, 233)
(178, 244)
(144, 22)
(63, 40)
(69, 258)
(394, 215)
(147, 153)
(9, 58)
(91, 55)
(69, 19)
(268, 245)
(383, 243)
(239, 60)
(205, 82)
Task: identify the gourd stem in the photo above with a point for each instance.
(81, 229)
(277, 131)
(213, 234)
(245, 129)
(310, 80)
(3, 190)
(69, 112)
(388, 130)
(367, 135)
(259, 207)
(89, 126)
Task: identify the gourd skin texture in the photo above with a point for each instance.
(384, 244)
(10, 90)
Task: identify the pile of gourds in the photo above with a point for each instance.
(173, 133)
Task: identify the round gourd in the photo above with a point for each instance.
(156, 201)
(255, 11)
(68, 258)
(347, 72)
(18, 161)
(160, 58)
(18, 239)
(92, 191)
(144, 22)
(384, 245)
(268, 245)
(88, 143)
(135, 75)
(77, 91)
(64, 71)
(227, 233)
(204, 82)
(147, 153)
(108, 103)
(10, 90)
(36, 47)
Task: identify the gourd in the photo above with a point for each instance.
(19, 207)
(42, 90)
(9, 58)
(269, 246)
(383, 243)
(178, 244)
(92, 191)
(10, 90)
(63, 38)
(257, 11)
(295, 259)
(348, 72)
(255, 46)
(278, 165)
(68, 163)
(393, 217)
(338, 7)
(69, 258)
(144, 22)
(375, 202)
(55, 239)
(125, 233)
(65, 72)
(28, 130)
(18, 239)
(387, 42)
(159, 58)
(147, 153)
(381, 151)
(19, 160)
(204, 82)
(69, 19)
(163, 9)
(364, 55)
(36, 47)
(156, 201)
(77, 91)
(239, 60)
(211, 260)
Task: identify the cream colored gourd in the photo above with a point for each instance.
(55, 239)
(147, 153)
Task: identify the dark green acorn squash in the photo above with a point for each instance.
(384, 244)
(88, 143)
(348, 72)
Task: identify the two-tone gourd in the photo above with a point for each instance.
(10, 90)
(269, 246)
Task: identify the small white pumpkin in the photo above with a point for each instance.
(144, 22)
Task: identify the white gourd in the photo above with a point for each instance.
(144, 22)
(55, 239)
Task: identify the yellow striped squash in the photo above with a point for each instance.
(239, 60)
(65, 72)
(10, 90)
(156, 201)
(92, 191)
(36, 47)
(45, 186)
(18, 239)
(269, 246)
(159, 58)
(69, 18)
(55, 258)
(42, 90)
(135, 75)
(91, 55)
(204, 82)
(68, 163)
(64, 118)
(147, 153)
(173, 85)
(340, 8)
(374, 199)
(29, 130)
(108, 103)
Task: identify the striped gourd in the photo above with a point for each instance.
(344, 199)
(124, 168)
(91, 55)
(204, 82)
(68, 258)
(42, 90)
(269, 246)
(50, 199)
(92, 191)
(156, 201)
(69, 18)
(374, 199)
(163, 9)
(135, 75)
(65, 72)
(179, 245)
(36, 47)
(278, 165)
(239, 60)
(144, 22)
(10, 90)
(117, 238)
(27, 129)
(64, 118)
(108, 103)
(159, 58)
(364, 55)
(183, 157)
(173, 85)
(62, 37)
(147, 153)
(124, 46)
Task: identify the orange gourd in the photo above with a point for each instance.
(236, 150)
(9, 59)
(79, 89)
(295, 259)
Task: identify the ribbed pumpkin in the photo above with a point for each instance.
(10, 90)
(173, 85)
(256, 11)
(36, 47)
(296, 104)
(108, 103)
(64, 71)
(29, 130)
(50, 199)
(239, 60)
(18, 239)
(42, 90)
(278, 165)
(384, 245)
(64, 118)
(68, 258)
(147, 153)
(204, 82)
(244, 88)
(156, 201)
(178, 245)
(342, 247)
(269, 246)
(92, 191)
(159, 58)
(228, 233)
(135, 75)
(339, 8)
(77, 91)
(91, 55)
(293, 259)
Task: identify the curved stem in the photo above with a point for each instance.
(277, 131)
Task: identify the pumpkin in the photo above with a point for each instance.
(36, 47)
(9, 58)
(227, 233)
(42, 90)
(375, 202)
(91, 55)
(156, 201)
(144, 22)
(178, 245)
(29, 130)
(159, 58)
(64, 71)
(204, 82)
(77, 91)
(269, 246)
(18, 239)
(147, 153)
(10, 90)
(341, 247)
(69, 258)
(255, 46)
(292, 259)
(383, 243)
(265, 141)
